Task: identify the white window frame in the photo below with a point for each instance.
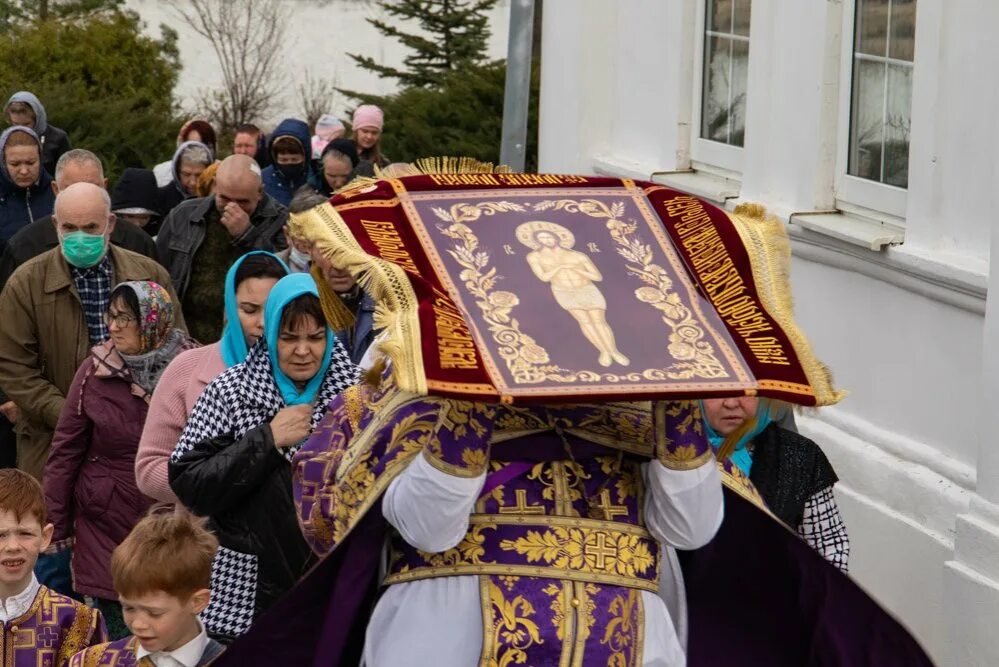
(854, 194)
(705, 152)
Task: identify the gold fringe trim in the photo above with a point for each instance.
(440, 165)
(386, 283)
(769, 249)
(396, 312)
(337, 314)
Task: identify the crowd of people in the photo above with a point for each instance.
(165, 357)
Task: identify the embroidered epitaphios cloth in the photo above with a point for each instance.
(531, 288)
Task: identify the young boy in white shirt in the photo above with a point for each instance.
(162, 573)
(37, 625)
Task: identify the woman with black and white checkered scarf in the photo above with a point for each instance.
(233, 460)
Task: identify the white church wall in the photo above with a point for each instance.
(901, 327)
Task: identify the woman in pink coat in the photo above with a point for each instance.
(89, 481)
(247, 285)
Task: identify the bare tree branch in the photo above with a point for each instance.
(247, 37)
(316, 95)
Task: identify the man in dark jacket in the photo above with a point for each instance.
(211, 233)
(25, 109)
(75, 166)
(291, 151)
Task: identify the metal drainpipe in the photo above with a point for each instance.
(517, 93)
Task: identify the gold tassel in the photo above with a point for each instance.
(733, 438)
(769, 249)
(338, 315)
(387, 283)
(373, 376)
(771, 405)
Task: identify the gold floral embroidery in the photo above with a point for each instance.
(623, 633)
(683, 418)
(528, 362)
(475, 459)
(512, 631)
(585, 550)
(509, 582)
(556, 591)
(469, 550)
(692, 418)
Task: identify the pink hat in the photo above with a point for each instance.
(368, 115)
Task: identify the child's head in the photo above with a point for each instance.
(162, 573)
(24, 532)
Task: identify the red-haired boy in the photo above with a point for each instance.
(162, 573)
(40, 627)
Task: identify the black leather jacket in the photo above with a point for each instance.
(183, 231)
(245, 487)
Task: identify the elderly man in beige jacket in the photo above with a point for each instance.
(52, 310)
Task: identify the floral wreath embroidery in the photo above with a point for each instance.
(528, 362)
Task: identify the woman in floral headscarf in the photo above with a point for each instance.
(90, 475)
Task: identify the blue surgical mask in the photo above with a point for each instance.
(83, 250)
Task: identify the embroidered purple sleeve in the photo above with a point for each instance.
(681, 443)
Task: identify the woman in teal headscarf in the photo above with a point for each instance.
(248, 283)
(247, 286)
(791, 473)
(233, 460)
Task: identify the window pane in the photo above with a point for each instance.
(714, 107)
(867, 123)
(898, 122)
(726, 71)
(740, 25)
(881, 105)
(740, 76)
(903, 29)
(872, 27)
(720, 16)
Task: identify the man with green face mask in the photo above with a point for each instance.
(53, 308)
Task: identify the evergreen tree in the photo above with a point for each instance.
(13, 12)
(462, 117)
(456, 36)
(102, 80)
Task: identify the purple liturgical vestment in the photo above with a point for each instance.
(565, 571)
(124, 653)
(53, 629)
(555, 539)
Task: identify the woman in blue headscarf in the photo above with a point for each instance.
(790, 471)
(233, 461)
(247, 285)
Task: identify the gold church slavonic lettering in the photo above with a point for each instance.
(722, 281)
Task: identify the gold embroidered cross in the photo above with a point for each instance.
(522, 507)
(605, 510)
(600, 551)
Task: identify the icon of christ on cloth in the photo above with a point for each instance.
(572, 275)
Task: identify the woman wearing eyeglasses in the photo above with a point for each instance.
(90, 474)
